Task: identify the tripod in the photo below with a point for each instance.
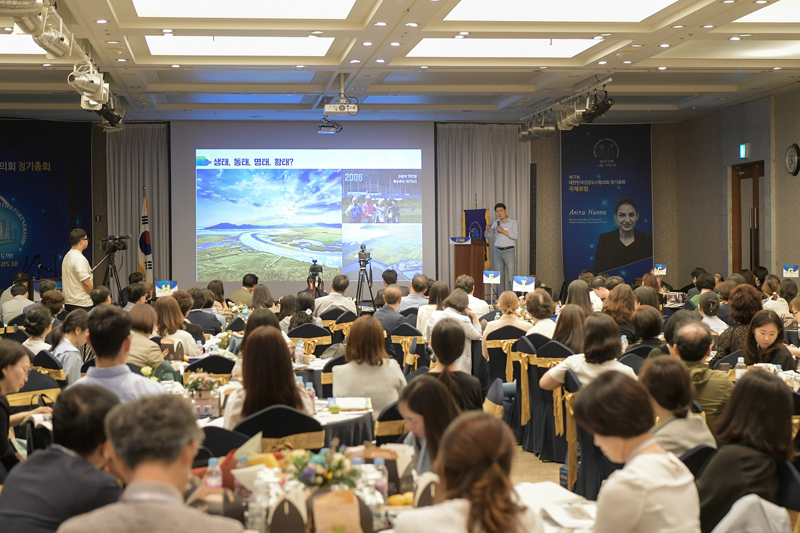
(362, 277)
(111, 273)
(317, 289)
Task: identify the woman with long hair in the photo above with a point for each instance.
(645, 295)
(170, 324)
(268, 378)
(303, 313)
(764, 343)
(774, 299)
(749, 277)
(428, 408)
(601, 348)
(476, 493)
(620, 305)
(38, 323)
(569, 327)
(650, 280)
(288, 305)
(788, 289)
(578, 294)
(437, 294)
(455, 307)
(369, 371)
(507, 305)
(68, 337)
(754, 432)
(259, 317)
(447, 339)
(218, 288)
(262, 298)
(745, 302)
(654, 491)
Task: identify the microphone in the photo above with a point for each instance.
(42, 267)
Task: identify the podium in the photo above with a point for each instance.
(470, 259)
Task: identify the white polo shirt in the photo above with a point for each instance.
(74, 269)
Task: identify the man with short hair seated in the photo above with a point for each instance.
(109, 335)
(19, 301)
(389, 278)
(467, 284)
(208, 322)
(137, 294)
(133, 277)
(336, 299)
(416, 297)
(156, 439)
(69, 478)
(244, 294)
(100, 296)
(390, 318)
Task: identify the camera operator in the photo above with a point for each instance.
(76, 273)
(317, 291)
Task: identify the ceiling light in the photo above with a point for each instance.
(300, 66)
(542, 67)
(761, 1)
(728, 1)
(176, 66)
(602, 62)
(664, 45)
(606, 34)
(598, 38)
(101, 21)
(776, 68)
(166, 31)
(423, 67)
(46, 65)
(412, 24)
(678, 26)
(367, 43)
(507, 48)
(627, 62)
(237, 46)
(121, 60)
(708, 26)
(745, 35)
(459, 36)
(395, 44)
(735, 38)
(463, 33)
(662, 68)
(317, 32)
(112, 42)
(354, 61)
(380, 24)
(636, 45)
(573, 11)
(8, 29)
(380, 61)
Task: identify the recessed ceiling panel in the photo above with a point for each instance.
(19, 45)
(558, 11)
(734, 50)
(520, 48)
(234, 99)
(457, 78)
(235, 76)
(245, 9)
(784, 11)
(233, 46)
(427, 99)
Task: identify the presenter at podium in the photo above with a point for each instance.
(624, 245)
(505, 232)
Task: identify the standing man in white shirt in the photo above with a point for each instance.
(505, 232)
(76, 273)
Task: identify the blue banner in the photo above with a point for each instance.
(45, 192)
(606, 201)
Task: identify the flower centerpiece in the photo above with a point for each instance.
(224, 340)
(522, 312)
(331, 467)
(201, 382)
(237, 309)
(201, 386)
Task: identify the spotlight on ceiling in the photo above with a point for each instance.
(20, 8)
(55, 43)
(328, 127)
(110, 117)
(89, 84)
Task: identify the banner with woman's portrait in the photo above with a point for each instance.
(606, 200)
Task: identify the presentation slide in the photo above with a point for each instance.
(275, 211)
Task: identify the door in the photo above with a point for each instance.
(745, 214)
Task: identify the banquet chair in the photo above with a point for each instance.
(689, 306)
(312, 335)
(39, 389)
(342, 326)
(221, 441)
(554, 350)
(283, 427)
(731, 359)
(421, 371)
(493, 404)
(488, 317)
(633, 361)
(538, 340)
(593, 467)
(641, 351)
(697, 457)
(327, 375)
(389, 426)
(480, 368)
(329, 318)
(532, 432)
(216, 365)
(136, 369)
(85, 366)
(788, 486)
(45, 363)
(410, 314)
(18, 320)
(16, 333)
(236, 325)
(499, 365)
(415, 357)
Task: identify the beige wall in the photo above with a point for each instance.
(546, 155)
(786, 188)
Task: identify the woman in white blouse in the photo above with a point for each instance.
(772, 290)
(507, 304)
(654, 492)
(454, 306)
(541, 307)
(170, 325)
(38, 323)
(437, 294)
(708, 308)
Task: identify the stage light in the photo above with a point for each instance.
(20, 8)
(55, 43)
(110, 118)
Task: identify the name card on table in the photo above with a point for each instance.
(791, 271)
(524, 284)
(492, 277)
(660, 270)
(165, 288)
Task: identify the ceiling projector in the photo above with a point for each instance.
(341, 109)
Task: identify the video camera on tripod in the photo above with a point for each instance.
(315, 269)
(112, 244)
(363, 255)
(364, 259)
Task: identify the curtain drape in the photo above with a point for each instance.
(487, 161)
(137, 157)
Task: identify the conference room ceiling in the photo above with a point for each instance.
(441, 60)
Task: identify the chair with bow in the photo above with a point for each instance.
(341, 328)
(493, 404)
(236, 325)
(408, 343)
(283, 428)
(500, 344)
(411, 315)
(221, 441)
(329, 318)
(538, 340)
(327, 375)
(697, 457)
(45, 363)
(316, 339)
(39, 389)
(217, 366)
(389, 426)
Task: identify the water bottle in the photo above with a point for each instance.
(311, 392)
(213, 477)
(299, 353)
(381, 478)
(246, 313)
(239, 489)
(624, 340)
(200, 351)
(299, 380)
(778, 369)
(740, 368)
(497, 315)
(257, 507)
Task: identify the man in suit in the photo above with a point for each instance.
(389, 278)
(133, 277)
(20, 278)
(207, 321)
(19, 301)
(159, 458)
(390, 318)
(185, 302)
(69, 478)
(336, 299)
(416, 297)
(244, 294)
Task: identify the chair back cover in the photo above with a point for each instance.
(412, 357)
(554, 349)
(319, 336)
(281, 421)
(788, 486)
(538, 339)
(213, 364)
(641, 351)
(327, 375)
(221, 441)
(695, 458)
(499, 364)
(493, 404)
(633, 361)
(18, 320)
(237, 325)
(389, 425)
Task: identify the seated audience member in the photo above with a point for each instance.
(156, 440)
(124, 294)
(20, 278)
(788, 290)
(218, 288)
(369, 371)
(650, 280)
(705, 282)
(109, 335)
(46, 286)
(620, 305)
(692, 290)
(67, 339)
(170, 324)
(712, 388)
(602, 346)
(19, 301)
(467, 284)
(754, 432)
(185, 304)
(262, 299)
(15, 365)
(613, 281)
(725, 289)
(447, 339)
(53, 301)
(207, 321)
(477, 494)
(771, 288)
(749, 278)
(137, 294)
(144, 352)
(578, 294)
(100, 296)
(541, 307)
(569, 328)
(336, 299)
(416, 296)
(645, 295)
(288, 306)
(428, 408)
(654, 491)
(437, 293)
(669, 385)
(268, 378)
(745, 303)
(455, 306)
(389, 278)
(760, 273)
(708, 308)
(70, 477)
(208, 308)
(150, 292)
(314, 286)
(38, 324)
(303, 314)
(599, 292)
(764, 342)
(663, 286)
(678, 319)
(244, 294)
(259, 317)
(507, 304)
(390, 318)
(646, 322)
